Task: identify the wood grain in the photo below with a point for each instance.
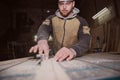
(88, 67)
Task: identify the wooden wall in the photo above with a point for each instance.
(108, 29)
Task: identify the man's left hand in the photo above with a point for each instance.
(65, 54)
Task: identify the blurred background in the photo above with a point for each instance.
(20, 20)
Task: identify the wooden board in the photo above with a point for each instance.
(89, 67)
(10, 63)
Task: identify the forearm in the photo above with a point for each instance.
(83, 45)
(43, 33)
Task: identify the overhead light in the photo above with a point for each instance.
(100, 13)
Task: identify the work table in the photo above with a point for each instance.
(97, 66)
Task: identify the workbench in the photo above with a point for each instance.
(95, 66)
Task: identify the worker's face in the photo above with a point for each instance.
(66, 7)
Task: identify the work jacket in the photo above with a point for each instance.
(71, 32)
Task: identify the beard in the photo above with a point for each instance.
(65, 13)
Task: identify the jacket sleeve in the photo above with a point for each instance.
(84, 38)
(45, 29)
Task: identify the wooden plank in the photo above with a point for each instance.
(50, 70)
(21, 71)
(7, 64)
(105, 60)
(77, 69)
(89, 67)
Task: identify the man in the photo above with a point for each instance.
(70, 33)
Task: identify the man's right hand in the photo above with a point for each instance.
(42, 47)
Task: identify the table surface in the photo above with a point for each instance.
(98, 66)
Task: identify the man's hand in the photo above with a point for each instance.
(41, 47)
(65, 54)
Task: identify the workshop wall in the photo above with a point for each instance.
(105, 30)
(4, 18)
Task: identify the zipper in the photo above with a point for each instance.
(63, 34)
